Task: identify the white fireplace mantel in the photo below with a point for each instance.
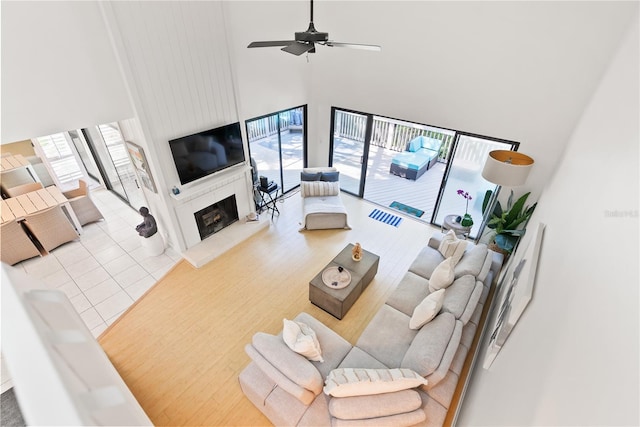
(236, 181)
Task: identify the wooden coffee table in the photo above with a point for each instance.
(338, 301)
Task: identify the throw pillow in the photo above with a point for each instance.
(309, 176)
(319, 189)
(427, 309)
(451, 246)
(448, 239)
(442, 275)
(330, 176)
(344, 382)
(300, 338)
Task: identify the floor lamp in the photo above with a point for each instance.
(504, 168)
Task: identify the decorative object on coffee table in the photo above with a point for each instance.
(338, 301)
(356, 252)
(336, 277)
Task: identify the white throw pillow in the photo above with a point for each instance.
(449, 239)
(427, 309)
(451, 246)
(345, 382)
(442, 275)
(300, 338)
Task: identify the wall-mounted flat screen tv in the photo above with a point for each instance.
(207, 152)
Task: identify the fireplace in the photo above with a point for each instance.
(217, 216)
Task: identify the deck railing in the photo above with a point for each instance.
(388, 134)
(267, 126)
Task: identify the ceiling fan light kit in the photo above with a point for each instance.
(305, 41)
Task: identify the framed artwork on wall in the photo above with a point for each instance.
(139, 161)
(514, 294)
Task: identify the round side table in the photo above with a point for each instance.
(450, 223)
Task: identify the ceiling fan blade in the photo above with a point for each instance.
(353, 45)
(273, 43)
(298, 48)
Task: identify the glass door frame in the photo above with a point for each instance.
(277, 114)
(450, 163)
(365, 146)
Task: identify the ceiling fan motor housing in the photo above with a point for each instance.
(311, 36)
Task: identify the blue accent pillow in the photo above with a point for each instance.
(415, 144)
(330, 176)
(308, 176)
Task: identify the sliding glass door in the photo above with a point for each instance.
(412, 168)
(350, 133)
(277, 146)
(464, 172)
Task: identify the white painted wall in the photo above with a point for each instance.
(521, 71)
(59, 70)
(573, 357)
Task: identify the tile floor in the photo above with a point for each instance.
(104, 271)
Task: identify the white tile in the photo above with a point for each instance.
(109, 254)
(119, 264)
(131, 275)
(91, 278)
(156, 263)
(114, 318)
(40, 267)
(78, 269)
(57, 279)
(70, 289)
(90, 231)
(114, 305)
(102, 291)
(138, 289)
(174, 255)
(130, 243)
(162, 271)
(91, 318)
(80, 302)
(70, 254)
(99, 329)
(98, 243)
(139, 254)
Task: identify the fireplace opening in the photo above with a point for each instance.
(214, 218)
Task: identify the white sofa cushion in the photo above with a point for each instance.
(274, 354)
(300, 338)
(429, 346)
(443, 275)
(373, 406)
(411, 290)
(472, 261)
(343, 382)
(427, 309)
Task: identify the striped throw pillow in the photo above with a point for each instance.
(344, 382)
(319, 188)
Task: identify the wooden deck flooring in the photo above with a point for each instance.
(382, 187)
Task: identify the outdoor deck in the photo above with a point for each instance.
(381, 187)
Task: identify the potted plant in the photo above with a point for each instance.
(466, 220)
(507, 226)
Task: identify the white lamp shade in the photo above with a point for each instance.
(507, 168)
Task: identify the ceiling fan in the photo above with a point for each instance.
(306, 41)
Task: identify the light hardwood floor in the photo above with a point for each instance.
(180, 348)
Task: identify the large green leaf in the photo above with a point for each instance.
(514, 216)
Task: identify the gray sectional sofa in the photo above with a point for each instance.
(288, 388)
